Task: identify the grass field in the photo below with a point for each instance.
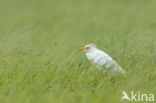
(39, 60)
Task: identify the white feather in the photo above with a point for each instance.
(99, 59)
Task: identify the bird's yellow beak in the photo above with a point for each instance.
(83, 48)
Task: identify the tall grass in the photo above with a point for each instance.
(39, 61)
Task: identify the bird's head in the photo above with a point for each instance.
(88, 47)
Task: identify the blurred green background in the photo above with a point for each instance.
(39, 61)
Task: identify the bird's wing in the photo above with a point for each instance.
(101, 58)
(104, 59)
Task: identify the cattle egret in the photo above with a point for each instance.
(101, 59)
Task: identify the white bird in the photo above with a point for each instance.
(101, 59)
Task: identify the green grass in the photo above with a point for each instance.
(39, 60)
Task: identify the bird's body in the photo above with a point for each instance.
(100, 59)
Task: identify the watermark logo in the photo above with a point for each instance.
(137, 97)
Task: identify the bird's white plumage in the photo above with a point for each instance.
(99, 58)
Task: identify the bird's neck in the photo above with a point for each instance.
(92, 50)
